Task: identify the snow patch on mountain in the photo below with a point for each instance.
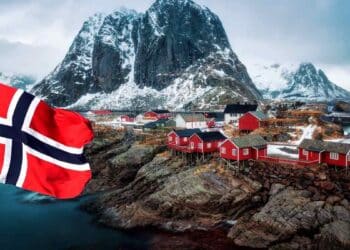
(295, 82)
(17, 80)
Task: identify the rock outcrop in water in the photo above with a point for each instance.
(174, 55)
(269, 206)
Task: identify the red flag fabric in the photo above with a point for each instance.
(41, 147)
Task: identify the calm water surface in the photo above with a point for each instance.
(31, 221)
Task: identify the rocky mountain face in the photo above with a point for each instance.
(303, 83)
(17, 80)
(174, 55)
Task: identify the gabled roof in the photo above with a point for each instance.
(318, 146)
(313, 145)
(249, 141)
(258, 114)
(211, 136)
(240, 108)
(160, 111)
(193, 117)
(186, 132)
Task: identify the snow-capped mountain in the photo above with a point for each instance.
(17, 80)
(175, 55)
(296, 82)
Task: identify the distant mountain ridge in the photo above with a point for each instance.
(20, 81)
(175, 55)
(303, 82)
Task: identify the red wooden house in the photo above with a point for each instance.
(331, 153)
(244, 148)
(127, 118)
(206, 142)
(179, 139)
(157, 114)
(251, 121)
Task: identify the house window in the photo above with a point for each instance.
(305, 152)
(223, 150)
(334, 156)
(192, 145)
(209, 145)
(177, 140)
(246, 151)
(170, 139)
(185, 139)
(200, 145)
(234, 152)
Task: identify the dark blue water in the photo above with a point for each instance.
(31, 221)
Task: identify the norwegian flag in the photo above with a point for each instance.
(41, 148)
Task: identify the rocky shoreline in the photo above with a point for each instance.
(264, 206)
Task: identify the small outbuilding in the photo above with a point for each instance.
(157, 114)
(244, 148)
(251, 121)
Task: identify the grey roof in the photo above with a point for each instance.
(193, 117)
(211, 136)
(258, 114)
(187, 132)
(249, 141)
(318, 146)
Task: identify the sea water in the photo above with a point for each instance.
(32, 221)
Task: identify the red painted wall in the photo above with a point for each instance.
(150, 115)
(341, 162)
(311, 155)
(228, 145)
(248, 122)
(194, 142)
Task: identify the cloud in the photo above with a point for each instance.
(37, 33)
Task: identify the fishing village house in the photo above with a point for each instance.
(331, 153)
(156, 114)
(195, 120)
(179, 139)
(244, 148)
(127, 118)
(233, 112)
(206, 142)
(251, 121)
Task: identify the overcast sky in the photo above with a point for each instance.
(36, 34)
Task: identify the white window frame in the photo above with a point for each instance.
(200, 145)
(177, 140)
(305, 152)
(334, 156)
(209, 145)
(170, 138)
(223, 150)
(246, 151)
(234, 152)
(192, 145)
(185, 139)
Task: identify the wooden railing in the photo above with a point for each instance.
(287, 161)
